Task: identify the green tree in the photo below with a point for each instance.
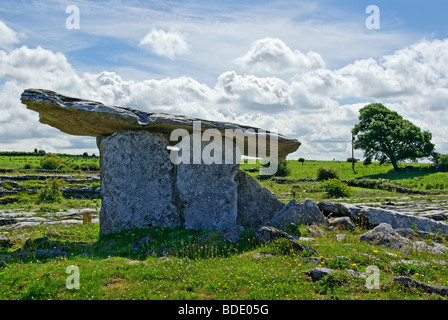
(384, 135)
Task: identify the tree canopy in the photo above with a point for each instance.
(385, 136)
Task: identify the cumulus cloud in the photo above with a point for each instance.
(170, 44)
(8, 37)
(271, 56)
(313, 106)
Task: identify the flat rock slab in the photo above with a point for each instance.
(19, 219)
(89, 118)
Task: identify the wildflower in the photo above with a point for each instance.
(354, 265)
(375, 251)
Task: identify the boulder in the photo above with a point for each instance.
(333, 209)
(266, 234)
(315, 231)
(435, 248)
(344, 223)
(256, 205)
(317, 274)
(386, 236)
(410, 283)
(233, 234)
(376, 216)
(305, 212)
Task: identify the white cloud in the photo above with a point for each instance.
(170, 44)
(311, 106)
(271, 56)
(8, 37)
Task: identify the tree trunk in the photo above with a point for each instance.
(395, 165)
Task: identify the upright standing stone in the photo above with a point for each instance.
(208, 193)
(137, 182)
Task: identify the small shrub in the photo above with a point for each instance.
(28, 165)
(335, 188)
(283, 169)
(50, 193)
(326, 173)
(283, 246)
(9, 199)
(51, 162)
(367, 161)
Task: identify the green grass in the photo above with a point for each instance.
(232, 274)
(18, 162)
(303, 184)
(213, 268)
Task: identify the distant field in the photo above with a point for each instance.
(303, 184)
(19, 161)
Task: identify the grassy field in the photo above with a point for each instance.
(115, 267)
(119, 267)
(71, 162)
(301, 183)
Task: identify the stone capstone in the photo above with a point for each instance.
(90, 118)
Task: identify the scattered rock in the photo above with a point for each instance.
(305, 212)
(314, 259)
(410, 283)
(232, 234)
(340, 237)
(5, 241)
(318, 273)
(356, 274)
(397, 220)
(386, 236)
(306, 239)
(315, 231)
(333, 209)
(258, 255)
(436, 248)
(143, 241)
(53, 253)
(266, 234)
(84, 254)
(409, 261)
(344, 223)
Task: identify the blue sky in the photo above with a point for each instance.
(303, 67)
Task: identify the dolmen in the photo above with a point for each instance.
(167, 170)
